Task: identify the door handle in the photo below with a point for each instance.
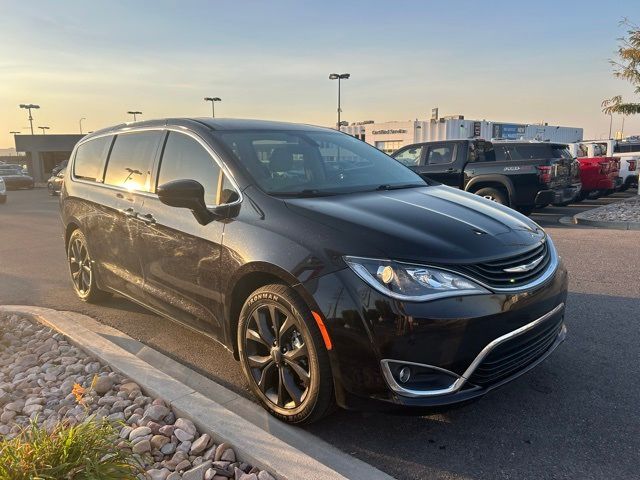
(129, 212)
(451, 170)
(147, 218)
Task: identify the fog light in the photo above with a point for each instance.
(404, 375)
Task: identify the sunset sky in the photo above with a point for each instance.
(501, 60)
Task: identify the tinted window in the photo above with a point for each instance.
(409, 157)
(314, 162)
(440, 155)
(90, 158)
(184, 158)
(131, 159)
(530, 151)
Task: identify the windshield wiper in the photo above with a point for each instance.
(401, 186)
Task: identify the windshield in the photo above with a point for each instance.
(308, 163)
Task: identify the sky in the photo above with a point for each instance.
(521, 62)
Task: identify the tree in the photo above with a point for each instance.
(627, 67)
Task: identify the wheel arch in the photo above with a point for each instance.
(492, 181)
(247, 280)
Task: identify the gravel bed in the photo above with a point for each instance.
(38, 370)
(627, 210)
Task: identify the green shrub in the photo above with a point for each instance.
(86, 451)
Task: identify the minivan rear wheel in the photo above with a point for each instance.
(283, 355)
(81, 269)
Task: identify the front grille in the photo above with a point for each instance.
(493, 273)
(508, 358)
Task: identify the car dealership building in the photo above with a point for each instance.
(390, 136)
(43, 152)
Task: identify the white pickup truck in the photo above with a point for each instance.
(627, 151)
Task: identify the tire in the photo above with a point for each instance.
(495, 195)
(295, 387)
(79, 260)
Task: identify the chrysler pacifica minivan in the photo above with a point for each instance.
(333, 273)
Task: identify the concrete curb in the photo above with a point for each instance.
(602, 224)
(257, 437)
(580, 218)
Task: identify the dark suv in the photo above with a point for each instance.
(331, 271)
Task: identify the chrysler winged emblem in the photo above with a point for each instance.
(526, 267)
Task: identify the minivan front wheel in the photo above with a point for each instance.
(81, 268)
(283, 355)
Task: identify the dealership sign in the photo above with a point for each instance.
(388, 132)
(508, 130)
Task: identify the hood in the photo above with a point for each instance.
(436, 224)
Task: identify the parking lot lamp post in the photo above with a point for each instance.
(29, 107)
(44, 129)
(339, 77)
(134, 113)
(213, 101)
(13, 132)
(83, 118)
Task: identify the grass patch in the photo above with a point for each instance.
(86, 451)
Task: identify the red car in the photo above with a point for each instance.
(598, 174)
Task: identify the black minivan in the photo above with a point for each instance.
(333, 273)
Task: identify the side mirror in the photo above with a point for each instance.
(186, 194)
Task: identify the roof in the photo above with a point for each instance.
(214, 124)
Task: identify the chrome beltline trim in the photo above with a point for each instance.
(461, 380)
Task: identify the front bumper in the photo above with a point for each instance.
(455, 336)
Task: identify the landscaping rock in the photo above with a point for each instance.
(43, 378)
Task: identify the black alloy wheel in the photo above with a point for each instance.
(81, 269)
(283, 356)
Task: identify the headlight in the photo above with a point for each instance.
(412, 283)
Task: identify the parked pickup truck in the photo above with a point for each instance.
(626, 153)
(599, 173)
(520, 174)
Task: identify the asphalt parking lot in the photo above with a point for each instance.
(575, 416)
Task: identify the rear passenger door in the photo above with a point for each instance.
(127, 181)
(181, 258)
(441, 163)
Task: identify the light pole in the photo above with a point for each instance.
(213, 101)
(134, 114)
(339, 77)
(80, 122)
(44, 129)
(29, 107)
